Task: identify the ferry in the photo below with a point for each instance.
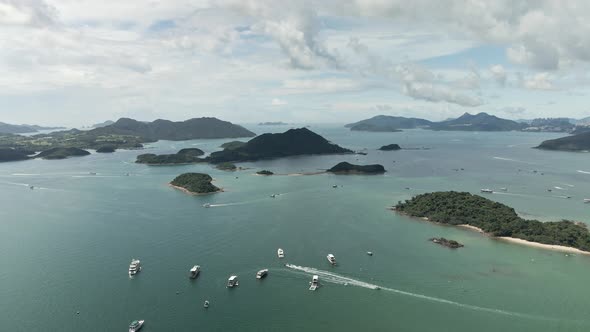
(280, 253)
(261, 274)
(136, 325)
(195, 271)
(487, 191)
(134, 267)
(232, 281)
(331, 259)
(315, 283)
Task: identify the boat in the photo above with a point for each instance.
(370, 253)
(315, 283)
(31, 187)
(280, 253)
(504, 189)
(136, 325)
(232, 281)
(134, 267)
(195, 271)
(487, 191)
(206, 304)
(206, 205)
(273, 195)
(586, 200)
(335, 186)
(92, 173)
(261, 274)
(331, 259)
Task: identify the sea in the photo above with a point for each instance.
(65, 246)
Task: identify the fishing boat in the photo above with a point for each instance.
(280, 253)
(194, 272)
(261, 274)
(331, 259)
(136, 325)
(315, 283)
(232, 281)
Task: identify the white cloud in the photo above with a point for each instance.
(541, 81)
(437, 93)
(327, 85)
(278, 102)
(499, 74)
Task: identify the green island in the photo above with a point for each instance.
(7, 154)
(493, 218)
(227, 166)
(106, 149)
(293, 142)
(195, 183)
(348, 168)
(62, 153)
(390, 147)
(265, 172)
(232, 145)
(446, 242)
(182, 157)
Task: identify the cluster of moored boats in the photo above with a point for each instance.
(490, 191)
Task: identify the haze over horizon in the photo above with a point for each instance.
(76, 63)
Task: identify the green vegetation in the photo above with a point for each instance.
(478, 122)
(62, 153)
(184, 156)
(106, 149)
(13, 155)
(293, 142)
(227, 166)
(579, 142)
(390, 147)
(232, 145)
(457, 208)
(196, 183)
(386, 123)
(265, 172)
(348, 168)
(66, 139)
(446, 243)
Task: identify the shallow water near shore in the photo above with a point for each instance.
(66, 245)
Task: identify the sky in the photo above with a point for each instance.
(79, 62)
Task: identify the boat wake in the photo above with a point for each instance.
(513, 160)
(334, 278)
(25, 174)
(583, 172)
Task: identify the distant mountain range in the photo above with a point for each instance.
(6, 128)
(174, 131)
(466, 122)
(103, 124)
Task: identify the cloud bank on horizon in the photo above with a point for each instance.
(76, 62)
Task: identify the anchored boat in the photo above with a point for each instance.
(195, 271)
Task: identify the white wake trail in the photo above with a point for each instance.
(331, 277)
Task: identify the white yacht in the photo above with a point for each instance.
(261, 274)
(487, 191)
(331, 259)
(232, 281)
(195, 271)
(134, 267)
(136, 325)
(315, 283)
(280, 253)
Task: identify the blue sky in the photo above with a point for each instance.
(74, 63)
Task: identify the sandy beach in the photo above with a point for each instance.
(186, 191)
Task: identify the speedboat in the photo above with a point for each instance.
(370, 253)
(206, 205)
(206, 304)
(273, 195)
(136, 325)
(487, 191)
(331, 259)
(195, 271)
(280, 253)
(232, 281)
(315, 283)
(335, 186)
(586, 200)
(261, 274)
(134, 267)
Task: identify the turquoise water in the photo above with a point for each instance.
(66, 246)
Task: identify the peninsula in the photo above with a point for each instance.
(182, 157)
(348, 168)
(195, 184)
(579, 142)
(495, 219)
(293, 142)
